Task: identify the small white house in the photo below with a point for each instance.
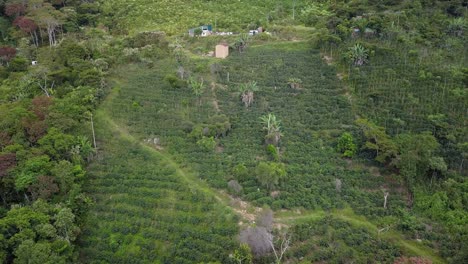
(205, 30)
(253, 32)
(33, 63)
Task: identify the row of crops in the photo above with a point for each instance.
(312, 118)
(145, 212)
(333, 240)
(405, 94)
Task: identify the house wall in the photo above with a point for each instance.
(221, 51)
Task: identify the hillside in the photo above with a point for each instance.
(337, 136)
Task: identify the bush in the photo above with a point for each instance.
(273, 152)
(240, 171)
(346, 145)
(18, 64)
(174, 81)
(270, 173)
(207, 143)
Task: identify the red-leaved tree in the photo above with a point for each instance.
(43, 188)
(7, 162)
(35, 129)
(40, 106)
(28, 26)
(7, 53)
(14, 9)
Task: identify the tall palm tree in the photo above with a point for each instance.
(197, 87)
(241, 42)
(247, 92)
(272, 125)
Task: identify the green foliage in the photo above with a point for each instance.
(56, 144)
(457, 26)
(197, 86)
(70, 50)
(311, 119)
(273, 151)
(31, 169)
(207, 143)
(358, 55)
(269, 174)
(143, 39)
(273, 128)
(157, 213)
(355, 243)
(346, 145)
(175, 17)
(247, 91)
(240, 172)
(18, 64)
(417, 156)
(30, 233)
(36, 253)
(217, 126)
(174, 81)
(294, 83)
(314, 13)
(243, 255)
(47, 133)
(377, 140)
(197, 31)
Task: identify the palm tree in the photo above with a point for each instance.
(247, 92)
(294, 83)
(197, 87)
(84, 147)
(358, 54)
(272, 125)
(241, 42)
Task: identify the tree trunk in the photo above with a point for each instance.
(385, 200)
(94, 135)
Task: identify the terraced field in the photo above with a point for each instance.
(156, 188)
(312, 118)
(147, 211)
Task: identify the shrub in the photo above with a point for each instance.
(346, 145)
(273, 151)
(173, 81)
(270, 173)
(240, 171)
(207, 143)
(18, 64)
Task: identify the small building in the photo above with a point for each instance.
(253, 32)
(204, 31)
(257, 31)
(33, 63)
(222, 50)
